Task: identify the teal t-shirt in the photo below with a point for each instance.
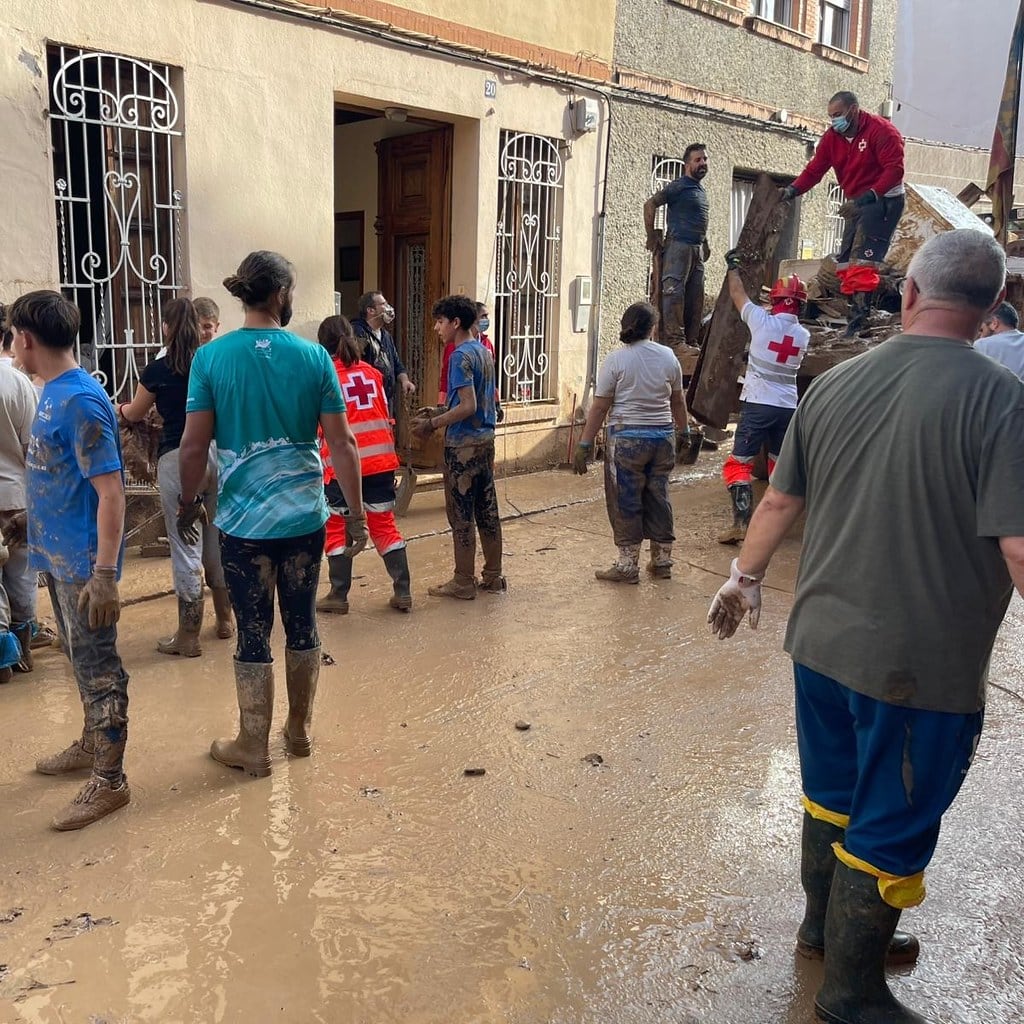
(267, 389)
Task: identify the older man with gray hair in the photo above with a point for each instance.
(909, 464)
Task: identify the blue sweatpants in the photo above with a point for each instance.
(892, 770)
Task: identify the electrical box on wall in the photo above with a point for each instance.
(581, 298)
(587, 115)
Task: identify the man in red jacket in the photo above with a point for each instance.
(866, 153)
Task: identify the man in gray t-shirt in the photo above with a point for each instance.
(1001, 340)
(909, 464)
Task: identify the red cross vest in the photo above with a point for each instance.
(362, 387)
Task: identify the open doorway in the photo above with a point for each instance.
(393, 174)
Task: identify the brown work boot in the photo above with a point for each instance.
(222, 610)
(96, 800)
(186, 640)
(71, 759)
(493, 584)
(660, 564)
(302, 671)
(249, 751)
(617, 574)
(458, 586)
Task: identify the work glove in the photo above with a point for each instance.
(869, 197)
(584, 450)
(15, 531)
(100, 599)
(848, 209)
(655, 240)
(732, 259)
(191, 519)
(742, 594)
(421, 427)
(356, 535)
(786, 193)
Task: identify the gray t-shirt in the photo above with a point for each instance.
(1006, 348)
(640, 377)
(18, 402)
(911, 461)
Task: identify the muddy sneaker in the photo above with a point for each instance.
(333, 603)
(616, 574)
(660, 572)
(71, 759)
(97, 799)
(494, 585)
(734, 535)
(454, 588)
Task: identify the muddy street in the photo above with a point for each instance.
(376, 881)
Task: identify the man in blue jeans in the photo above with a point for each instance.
(75, 491)
(913, 544)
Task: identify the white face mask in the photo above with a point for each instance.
(387, 314)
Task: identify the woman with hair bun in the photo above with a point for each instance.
(262, 393)
(641, 386)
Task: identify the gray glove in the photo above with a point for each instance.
(786, 193)
(100, 598)
(356, 535)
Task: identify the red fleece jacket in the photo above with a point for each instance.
(872, 159)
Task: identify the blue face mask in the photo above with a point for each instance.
(483, 323)
(841, 124)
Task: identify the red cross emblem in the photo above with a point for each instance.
(784, 349)
(359, 391)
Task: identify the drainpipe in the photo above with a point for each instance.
(594, 337)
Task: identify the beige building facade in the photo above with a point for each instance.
(420, 148)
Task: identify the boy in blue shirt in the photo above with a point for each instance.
(75, 495)
(471, 500)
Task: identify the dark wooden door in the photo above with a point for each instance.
(414, 228)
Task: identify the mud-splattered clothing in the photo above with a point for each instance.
(636, 471)
(911, 463)
(17, 412)
(267, 389)
(891, 772)
(99, 673)
(471, 503)
(75, 437)
(471, 365)
(257, 569)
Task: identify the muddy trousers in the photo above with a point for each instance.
(636, 472)
(682, 293)
(884, 773)
(471, 502)
(102, 680)
(256, 570)
(189, 560)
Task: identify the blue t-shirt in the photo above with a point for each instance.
(74, 438)
(267, 389)
(471, 365)
(687, 218)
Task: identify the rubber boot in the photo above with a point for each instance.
(302, 670)
(190, 621)
(742, 496)
(860, 308)
(249, 751)
(817, 867)
(660, 564)
(397, 564)
(340, 575)
(625, 569)
(222, 610)
(23, 632)
(859, 925)
(107, 789)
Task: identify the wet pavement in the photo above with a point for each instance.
(375, 882)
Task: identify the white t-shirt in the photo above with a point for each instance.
(1007, 348)
(640, 377)
(18, 402)
(778, 345)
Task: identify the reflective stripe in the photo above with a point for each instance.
(365, 426)
(376, 449)
(379, 506)
(779, 374)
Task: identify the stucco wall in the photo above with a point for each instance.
(259, 94)
(670, 41)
